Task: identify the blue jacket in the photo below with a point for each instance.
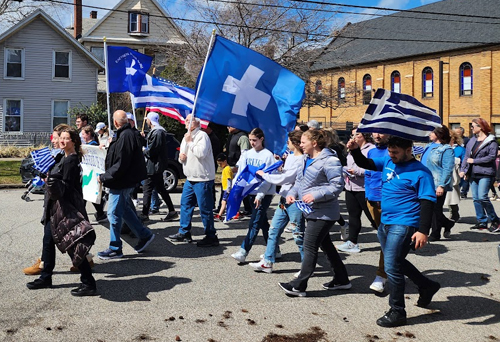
(323, 180)
(441, 162)
(484, 158)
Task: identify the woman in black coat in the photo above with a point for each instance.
(65, 218)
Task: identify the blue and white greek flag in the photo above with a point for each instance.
(43, 159)
(304, 207)
(400, 115)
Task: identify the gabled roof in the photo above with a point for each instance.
(118, 5)
(355, 44)
(39, 13)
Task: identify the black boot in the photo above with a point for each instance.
(392, 318)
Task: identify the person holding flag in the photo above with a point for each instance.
(261, 196)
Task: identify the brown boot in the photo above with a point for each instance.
(36, 269)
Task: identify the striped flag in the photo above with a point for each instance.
(43, 160)
(165, 97)
(400, 115)
(304, 207)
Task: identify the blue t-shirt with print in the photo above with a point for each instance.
(403, 186)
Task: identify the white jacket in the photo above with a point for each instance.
(199, 165)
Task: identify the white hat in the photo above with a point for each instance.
(154, 118)
(313, 124)
(100, 126)
(130, 116)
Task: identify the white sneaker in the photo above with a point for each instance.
(262, 266)
(276, 256)
(344, 231)
(349, 247)
(378, 284)
(240, 256)
(289, 229)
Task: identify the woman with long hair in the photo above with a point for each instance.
(478, 168)
(318, 185)
(284, 213)
(65, 218)
(441, 162)
(355, 198)
(261, 196)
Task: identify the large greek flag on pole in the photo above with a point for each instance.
(165, 97)
(244, 89)
(400, 115)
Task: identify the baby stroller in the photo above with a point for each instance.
(35, 184)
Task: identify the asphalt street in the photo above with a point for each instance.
(180, 292)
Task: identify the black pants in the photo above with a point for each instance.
(356, 205)
(438, 219)
(317, 235)
(49, 260)
(155, 182)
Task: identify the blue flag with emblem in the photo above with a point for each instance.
(126, 69)
(400, 115)
(244, 89)
(246, 182)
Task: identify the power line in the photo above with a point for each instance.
(287, 31)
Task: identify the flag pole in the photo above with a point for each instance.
(132, 99)
(201, 76)
(107, 83)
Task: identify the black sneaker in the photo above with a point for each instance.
(392, 318)
(334, 285)
(39, 284)
(495, 227)
(143, 243)
(291, 291)
(172, 215)
(101, 217)
(179, 237)
(143, 218)
(479, 226)
(427, 293)
(208, 242)
(84, 290)
(154, 211)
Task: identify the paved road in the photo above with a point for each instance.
(199, 294)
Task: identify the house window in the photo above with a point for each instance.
(98, 52)
(138, 22)
(465, 79)
(14, 63)
(396, 82)
(318, 89)
(62, 64)
(427, 82)
(341, 89)
(13, 115)
(60, 114)
(367, 89)
(496, 129)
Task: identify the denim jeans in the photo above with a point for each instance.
(155, 200)
(318, 235)
(258, 220)
(395, 241)
(201, 193)
(121, 208)
(284, 213)
(482, 204)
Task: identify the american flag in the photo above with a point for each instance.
(167, 98)
(400, 115)
(43, 159)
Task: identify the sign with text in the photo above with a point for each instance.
(92, 166)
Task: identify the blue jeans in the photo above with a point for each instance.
(482, 204)
(201, 193)
(284, 213)
(257, 221)
(155, 200)
(121, 208)
(395, 241)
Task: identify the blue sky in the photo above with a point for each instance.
(176, 8)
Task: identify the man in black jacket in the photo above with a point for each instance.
(125, 167)
(156, 155)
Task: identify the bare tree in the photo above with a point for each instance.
(12, 11)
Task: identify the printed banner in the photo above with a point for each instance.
(92, 166)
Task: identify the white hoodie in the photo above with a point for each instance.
(199, 165)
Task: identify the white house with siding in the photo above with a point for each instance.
(44, 72)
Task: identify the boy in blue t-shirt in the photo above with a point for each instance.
(407, 191)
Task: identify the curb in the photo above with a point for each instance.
(12, 186)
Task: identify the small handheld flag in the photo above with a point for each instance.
(43, 160)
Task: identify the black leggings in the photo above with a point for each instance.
(356, 205)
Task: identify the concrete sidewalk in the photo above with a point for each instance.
(179, 292)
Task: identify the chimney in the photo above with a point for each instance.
(93, 14)
(77, 26)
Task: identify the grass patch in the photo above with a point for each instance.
(9, 172)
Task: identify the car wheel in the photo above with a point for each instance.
(170, 179)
